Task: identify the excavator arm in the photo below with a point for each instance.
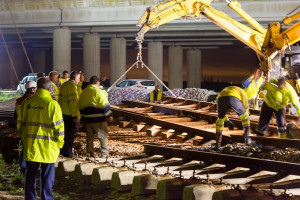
(265, 42)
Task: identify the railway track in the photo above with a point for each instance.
(173, 173)
(186, 122)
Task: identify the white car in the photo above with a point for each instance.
(21, 86)
(148, 85)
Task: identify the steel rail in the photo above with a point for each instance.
(165, 124)
(204, 103)
(192, 113)
(227, 159)
(268, 141)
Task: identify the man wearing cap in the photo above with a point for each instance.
(155, 95)
(30, 87)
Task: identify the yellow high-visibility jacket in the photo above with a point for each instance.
(277, 98)
(68, 99)
(253, 88)
(56, 90)
(237, 92)
(41, 126)
(61, 80)
(93, 104)
(159, 96)
(79, 88)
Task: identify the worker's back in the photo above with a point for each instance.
(41, 127)
(68, 98)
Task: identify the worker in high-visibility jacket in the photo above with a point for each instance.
(54, 91)
(41, 126)
(30, 87)
(235, 98)
(68, 101)
(79, 85)
(279, 94)
(95, 111)
(155, 95)
(64, 78)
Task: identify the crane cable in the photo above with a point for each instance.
(140, 61)
(20, 38)
(10, 59)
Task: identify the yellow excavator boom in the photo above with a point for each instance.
(265, 42)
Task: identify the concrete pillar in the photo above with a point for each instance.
(175, 67)
(155, 61)
(62, 49)
(91, 55)
(39, 61)
(194, 68)
(117, 58)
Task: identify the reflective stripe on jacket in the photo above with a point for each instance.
(277, 98)
(41, 126)
(237, 92)
(159, 96)
(93, 104)
(68, 99)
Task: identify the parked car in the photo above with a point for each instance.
(148, 85)
(21, 86)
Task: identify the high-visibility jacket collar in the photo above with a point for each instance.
(92, 86)
(43, 93)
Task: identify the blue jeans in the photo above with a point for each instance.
(266, 114)
(47, 180)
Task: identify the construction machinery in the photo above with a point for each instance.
(267, 43)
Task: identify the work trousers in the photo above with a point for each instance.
(97, 130)
(22, 160)
(266, 114)
(70, 130)
(224, 104)
(47, 180)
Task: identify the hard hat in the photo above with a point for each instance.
(30, 84)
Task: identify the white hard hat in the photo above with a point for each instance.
(30, 84)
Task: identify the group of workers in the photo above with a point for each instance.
(47, 119)
(279, 94)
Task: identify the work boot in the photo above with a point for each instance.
(217, 147)
(218, 141)
(259, 133)
(229, 124)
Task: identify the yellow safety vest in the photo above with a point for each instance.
(79, 87)
(61, 80)
(93, 104)
(237, 92)
(68, 99)
(41, 126)
(56, 90)
(159, 96)
(277, 98)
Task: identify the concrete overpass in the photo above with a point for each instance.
(37, 21)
